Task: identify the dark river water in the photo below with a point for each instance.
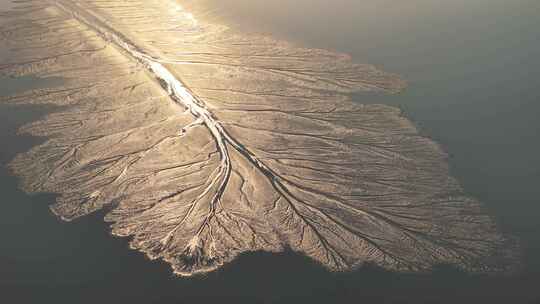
(473, 73)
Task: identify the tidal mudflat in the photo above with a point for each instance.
(203, 143)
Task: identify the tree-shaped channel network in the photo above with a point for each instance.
(203, 143)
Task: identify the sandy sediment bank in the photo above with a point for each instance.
(204, 143)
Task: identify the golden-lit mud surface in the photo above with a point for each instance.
(203, 143)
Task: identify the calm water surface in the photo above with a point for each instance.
(474, 76)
